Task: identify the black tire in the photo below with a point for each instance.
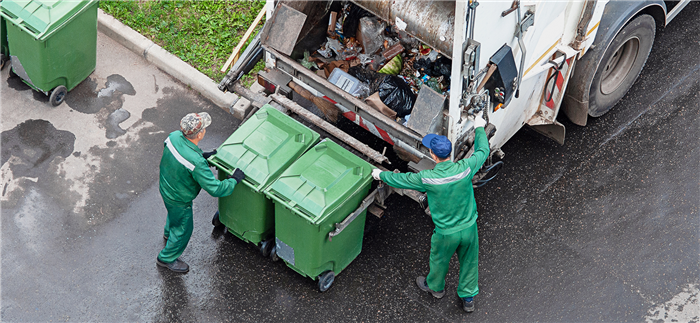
(621, 64)
(325, 280)
(273, 253)
(215, 220)
(266, 247)
(58, 95)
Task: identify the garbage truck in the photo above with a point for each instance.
(401, 69)
(517, 63)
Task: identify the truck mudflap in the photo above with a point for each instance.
(544, 120)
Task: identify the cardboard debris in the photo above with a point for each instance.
(375, 102)
(331, 23)
(343, 65)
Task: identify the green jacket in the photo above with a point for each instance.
(184, 172)
(449, 187)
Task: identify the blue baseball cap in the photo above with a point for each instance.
(440, 145)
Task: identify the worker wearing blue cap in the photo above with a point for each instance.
(453, 209)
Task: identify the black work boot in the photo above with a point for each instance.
(468, 304)
(423, 285)
(177, 266)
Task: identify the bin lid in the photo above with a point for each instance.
(264, 146)
(321, 180)
(41, 18)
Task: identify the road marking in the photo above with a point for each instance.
(684, 307)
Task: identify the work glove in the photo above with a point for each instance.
(209, 154)
(375, 174)
(479, 120)
(238, 175)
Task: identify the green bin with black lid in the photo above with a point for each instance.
(262, 147)
(52, 43)
(322, 188)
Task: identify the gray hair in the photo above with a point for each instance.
(194, 135)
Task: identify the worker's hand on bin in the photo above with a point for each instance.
(479, 120)
(238, 175)
(209, 154)
(375, 174)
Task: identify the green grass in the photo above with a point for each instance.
(201, 33)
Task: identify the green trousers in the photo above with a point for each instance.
(442, 246)
(178, 230)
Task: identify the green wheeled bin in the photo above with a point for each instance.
(4, 50)
(322, 188)
(52, 43)
(262, 147)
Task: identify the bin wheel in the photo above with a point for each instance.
(266, 247)
(57, 95)
(273, 253)
(325, 280)
(215, 220)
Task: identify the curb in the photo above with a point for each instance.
(171, 64)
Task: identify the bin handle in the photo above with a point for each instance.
(221, 166)
(339, 227)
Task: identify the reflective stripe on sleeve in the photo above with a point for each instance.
(177, 155)
(447, 180)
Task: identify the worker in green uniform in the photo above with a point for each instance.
(453, 209)
(184, 171)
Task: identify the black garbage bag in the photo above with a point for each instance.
(424, 66)
(441, 67)
(397, 95)
(353, 20)
(365, 75)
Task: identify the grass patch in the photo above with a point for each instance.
(201, 33)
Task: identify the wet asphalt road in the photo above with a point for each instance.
(604, 228)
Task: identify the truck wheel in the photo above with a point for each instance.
(621, 64)
(57, 95)
(325, 280)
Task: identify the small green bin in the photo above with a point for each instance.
(319, 190)
(4, 51)
(262, 147)
(52, 42)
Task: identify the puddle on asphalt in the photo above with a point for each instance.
(113, 121)
(86, 98)
(35, 143)
(172, 100)
(28, 154)
(15, 82)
